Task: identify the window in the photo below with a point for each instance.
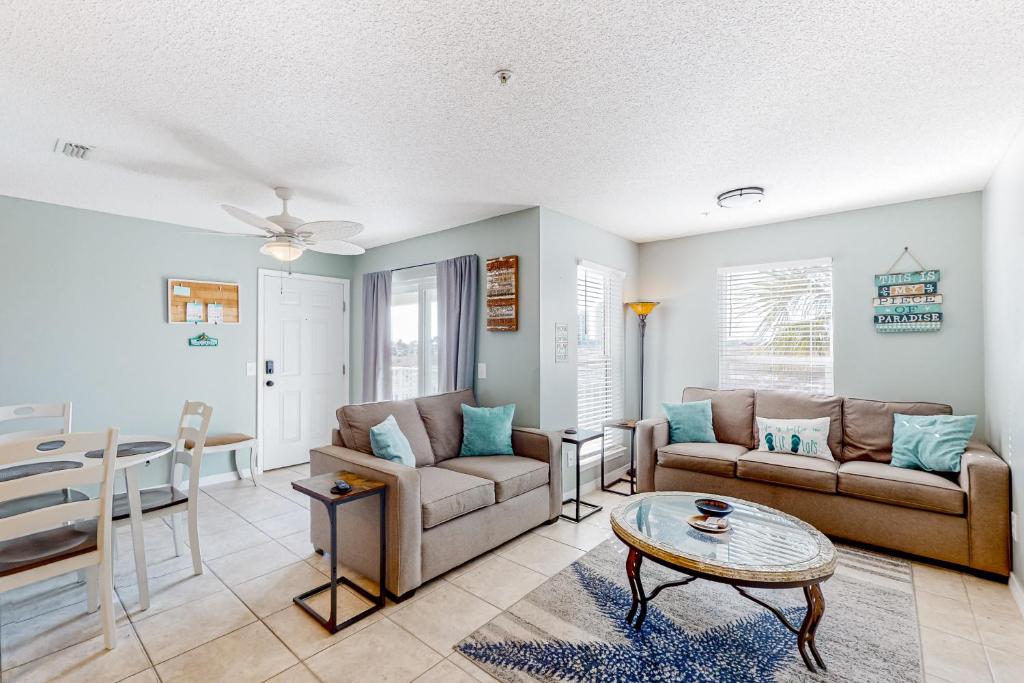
(775, 326)
(414, 332)
(599, 342)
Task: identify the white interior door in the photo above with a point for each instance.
(303, 363)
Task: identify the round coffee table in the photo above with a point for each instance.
(763, 548)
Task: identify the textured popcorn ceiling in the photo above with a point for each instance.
(630, 115)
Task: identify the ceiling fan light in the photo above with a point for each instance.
(282, 249)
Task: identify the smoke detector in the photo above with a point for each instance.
(74, 150)
(741, 197)
(503, 76)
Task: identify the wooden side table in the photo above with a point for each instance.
(319, 488)
(578, 439)
(630, 478)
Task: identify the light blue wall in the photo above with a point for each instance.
(1003, 217)
(944, 366)
(512, 358)
(84, 318)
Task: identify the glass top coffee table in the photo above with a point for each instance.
(763, 548)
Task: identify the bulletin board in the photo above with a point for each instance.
(217, 300)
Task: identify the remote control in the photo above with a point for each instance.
(570, 431)
(341, 486)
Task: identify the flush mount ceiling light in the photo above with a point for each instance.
(741, 197)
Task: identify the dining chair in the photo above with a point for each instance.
(38, 544)
(34, 412)
(175, 500)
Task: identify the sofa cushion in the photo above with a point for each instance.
(442, 418)
(796, 405)
(512, 475)
(707, 458)
(355, 422)
(732, 413)
(898, 486)
(867, 426)
(798, 471)
(445, 494)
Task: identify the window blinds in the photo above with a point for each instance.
(599, 347)
(775, 326)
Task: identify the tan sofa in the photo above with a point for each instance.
(445, 511)
(962, 518)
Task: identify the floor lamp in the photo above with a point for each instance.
(642, 310)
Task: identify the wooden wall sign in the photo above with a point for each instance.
(503, 294)
(201, 302)
(908, 302)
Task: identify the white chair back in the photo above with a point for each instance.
(193, 425)
(35, 411)
(93, 472)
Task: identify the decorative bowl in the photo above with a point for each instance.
(713, 507)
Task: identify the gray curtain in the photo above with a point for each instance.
(457, 315)
(377, 336)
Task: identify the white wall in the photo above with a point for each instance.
(1003, 249)
(945, 366)
(84, 317)
(565, 240)
(512, 360)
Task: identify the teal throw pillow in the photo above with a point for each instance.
(933, 443)
(387, 441)
(487, 431)
(690, 422)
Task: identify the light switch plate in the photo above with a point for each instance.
(250, 369)
(481, 370)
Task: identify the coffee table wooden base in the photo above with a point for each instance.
(804, 633)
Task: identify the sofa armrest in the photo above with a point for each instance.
(986, 479)
(404, 514)
(546, 447)
(651, 434)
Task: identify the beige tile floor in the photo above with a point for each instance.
(237, 622)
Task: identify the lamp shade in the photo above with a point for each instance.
(642, 307)
(282, 249)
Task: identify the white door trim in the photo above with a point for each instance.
(260, 367)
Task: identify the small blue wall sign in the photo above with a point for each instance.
(203, 339)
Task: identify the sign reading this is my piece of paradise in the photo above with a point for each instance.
(908, 302)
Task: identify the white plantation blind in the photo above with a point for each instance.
(599, 347)
(775, 326)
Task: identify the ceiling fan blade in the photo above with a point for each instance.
(220, 233)
(252, 219)
(339, 247)
(331, 231)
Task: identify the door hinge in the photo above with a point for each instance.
(344, 368)
(344, 307)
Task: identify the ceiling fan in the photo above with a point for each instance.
(288, 236)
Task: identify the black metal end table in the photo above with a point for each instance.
(319, 488)
(578, 439)
(630, 478)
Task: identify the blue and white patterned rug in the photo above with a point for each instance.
(572, 628)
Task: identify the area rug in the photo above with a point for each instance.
(572, 628)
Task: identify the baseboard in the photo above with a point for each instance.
(1017, 591)
(211, 479)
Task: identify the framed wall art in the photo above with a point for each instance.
(503, 294)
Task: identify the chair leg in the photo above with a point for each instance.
(92, 589)
(106, 590)
(178, 533)
(193, 537)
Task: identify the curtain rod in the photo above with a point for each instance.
(420, 265)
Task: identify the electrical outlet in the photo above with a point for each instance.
(481, 370)
(1013, 527)
(250, 369)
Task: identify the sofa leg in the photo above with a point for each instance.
(399, 598)
(550, 521)
(318, 551)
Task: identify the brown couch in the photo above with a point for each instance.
(960, 518)
(445, 511)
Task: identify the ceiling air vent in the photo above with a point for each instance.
(71, 149)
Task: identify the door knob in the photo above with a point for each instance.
(270, 382)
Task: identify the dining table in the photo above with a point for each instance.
(132, 450)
